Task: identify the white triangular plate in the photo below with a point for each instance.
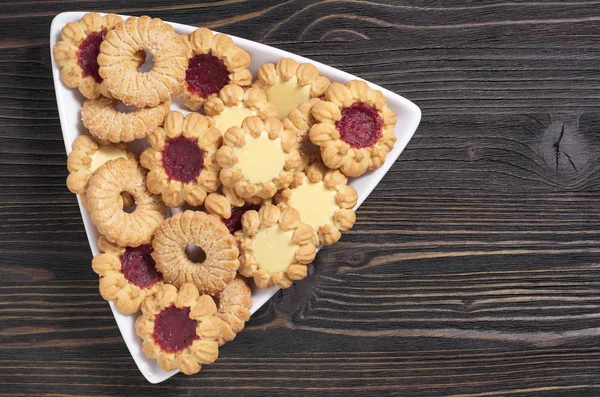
(69, 105)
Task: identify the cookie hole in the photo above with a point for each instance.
(148, 64)
(122, 108)
(128, 203)
(195, 253)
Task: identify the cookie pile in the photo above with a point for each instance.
(254, 176)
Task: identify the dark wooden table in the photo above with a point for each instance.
(473, 269)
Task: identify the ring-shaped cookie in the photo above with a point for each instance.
(354, 128)
(288, 84)
(127, 274)
(214, 62)
(180, 329)
(103, 120)
(182, 159)
(276, 246)
(299, 121)
(209, 233)
(105, 203)
(233, 105)
(324, 201)
(233, 307)
(77, 52)
(120, 73)
(259, 158)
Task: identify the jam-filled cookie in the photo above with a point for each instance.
(180, 329)
(299, 121)
(229, 207)
(354, 128)
(233, 105)
(289, 83)
(104, 121)
(77, 52)
(127, 274)
(214, 62)
(276, 246)
(324, 201)
(182, 159)
(205, 231)
(259, 158)
(105, 203)
(120, 73)
(233, 307)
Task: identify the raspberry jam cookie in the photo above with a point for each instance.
(182, 159)
(354, 128)
(324, 201)
(214, 62)
(117, 57)
(233, 105)
(127, 275)
(233, 307)
(229, 207)
(259, 158)
(105, 122)
(205, 231)
(77, 52)
(276, 246)
(289, 83)
(105, 203)
(179, 328)
(299, 121)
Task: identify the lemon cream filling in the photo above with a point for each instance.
(287, 95)
(315, 203)
(232, 116)
(274, 249)
(261, 159)
(104, 154)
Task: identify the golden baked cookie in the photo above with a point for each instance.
(233, 105)
(289, 83)
(182, 159)
(214, 62)
(120, 73)
(354, 128)
(233, 307)
(229, 207)
(299, 121)
(324, 201)
(106, 205)
(103, 120)
(276, 246)
(205, 231)
(179, 328)
(127, 274)
(259, 158)
(77, 52)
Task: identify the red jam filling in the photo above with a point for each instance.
(174, 330)
(182, 159)
(87, 58)
(234, 223)
(138, 268)
(206, 74)
(360, 125)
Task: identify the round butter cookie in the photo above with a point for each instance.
(233, 307)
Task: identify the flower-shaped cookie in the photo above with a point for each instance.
(127, 275)
(354, 128)
(179, 328)
(229, 207)
(324, 201)
(77, 52)
(214, 62)
(276, 246)
(182, 159)
(289, 83)
(259, 158)
(299, 121)
(233, 105)
(233, 307)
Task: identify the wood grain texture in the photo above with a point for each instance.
(473, 268)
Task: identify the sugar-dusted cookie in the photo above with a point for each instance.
(127, 274)
(233, 307)
(119, 50)
(182, 159)
(180, 329)
(214, 62)
(205, 231)
(324, 201)
(354, 128)
(259, 158)
(288, 84)
(276, 246)
(299, 121)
